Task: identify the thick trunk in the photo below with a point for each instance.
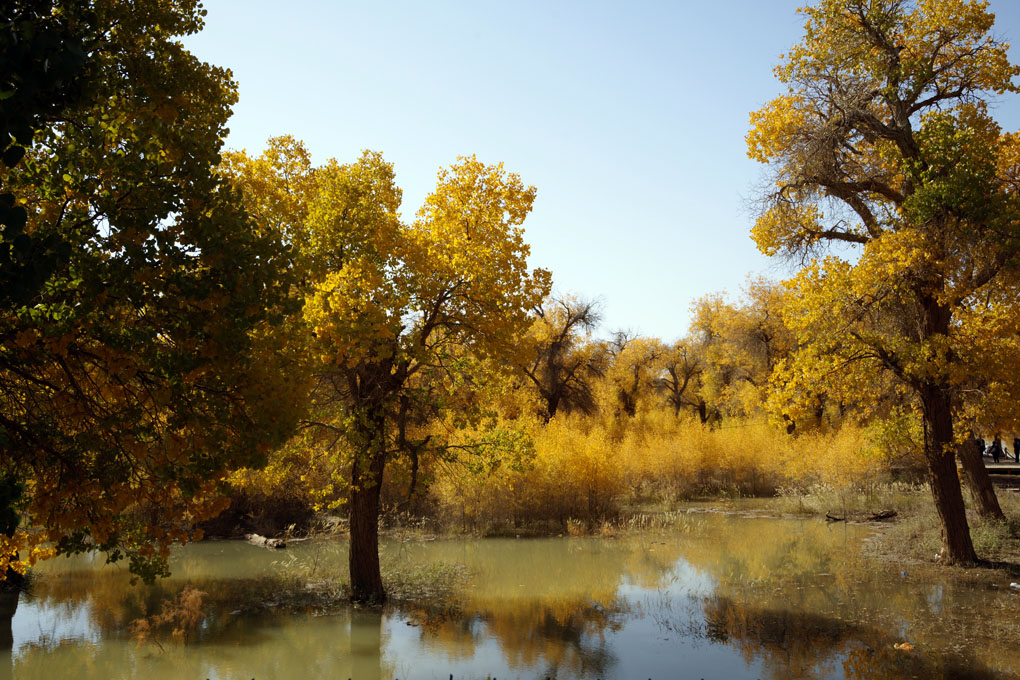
(978, 480)
(957, 547)
(13, 582)
(10, 591)
(366, 579)
(552, 405)
(8, 606)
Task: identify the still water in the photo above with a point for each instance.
(717, 596)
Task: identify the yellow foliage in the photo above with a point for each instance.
(584, 470)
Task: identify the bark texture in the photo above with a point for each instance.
(957, 547)
(366, 578)
(978, 481)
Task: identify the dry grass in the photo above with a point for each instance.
(916, 535)
(576, 474)
(586, 472)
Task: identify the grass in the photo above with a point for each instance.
(916, 536)
(306, 580)
(854, 501)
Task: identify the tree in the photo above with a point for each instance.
(741, 343)
(132, 372)
(680, 379)
(632, 370)
(400, 315)
(883, 143)
(564, 359)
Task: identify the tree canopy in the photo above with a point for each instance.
(132, 374)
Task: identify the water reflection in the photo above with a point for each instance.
(728, 597)
(366, 643)
(799, 645)
(8, 606)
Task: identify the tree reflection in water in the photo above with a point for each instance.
(366, 643)
(792, 644)
(567, 640)
(773, 599)
(8, 607)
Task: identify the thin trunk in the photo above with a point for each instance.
(980, 483)
(413, 486)
(957, 547)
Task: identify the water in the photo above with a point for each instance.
(716, 597)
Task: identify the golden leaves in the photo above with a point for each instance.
(774, 127)
(22, 550)
(395, 313)
(787, 226)
(883, 125)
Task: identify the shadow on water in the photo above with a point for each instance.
(738, 598)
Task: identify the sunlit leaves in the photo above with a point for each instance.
(403, 320)
(883, 140)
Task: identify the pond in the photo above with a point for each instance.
(715, 596)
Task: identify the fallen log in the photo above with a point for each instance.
(884, 514)
(873, 517)
(264, 542)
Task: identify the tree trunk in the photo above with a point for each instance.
(8, 607)
(978, 480)
(13, 583)
(10, 592)
(552, 404)
(412, 487)
(957, 547)
(366, 579)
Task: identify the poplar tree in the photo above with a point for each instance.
(893, 184)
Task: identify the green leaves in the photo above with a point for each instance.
(136, 362)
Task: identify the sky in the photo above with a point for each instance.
(629, 118)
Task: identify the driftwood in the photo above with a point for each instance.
(265, 542)
(884, 514)
(874, 517)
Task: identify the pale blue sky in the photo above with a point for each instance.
(629, 117)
